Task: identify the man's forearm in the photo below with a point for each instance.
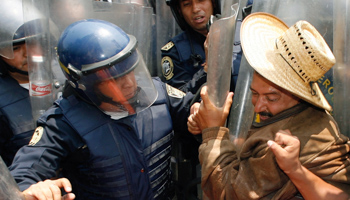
(313, 187)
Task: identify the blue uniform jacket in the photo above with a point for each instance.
(178, 66)
(16, 121)
(179, 69)
(103, 158)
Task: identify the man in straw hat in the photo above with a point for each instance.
(296, 148)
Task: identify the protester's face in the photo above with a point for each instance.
(197, 13)
(269, 99)
(119, 89)
(20, 57)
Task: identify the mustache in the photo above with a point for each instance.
(267, 114)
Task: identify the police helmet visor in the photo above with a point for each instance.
(120, 90)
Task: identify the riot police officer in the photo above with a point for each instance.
(183, 55)
(110, 133)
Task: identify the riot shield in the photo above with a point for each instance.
(133, 18)
(39, 59)
(8, 187)
(219, 61)
(12, 18)
(241, 113)
(341, 69)
(226, 7)
(319, 14)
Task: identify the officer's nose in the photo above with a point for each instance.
(195, 7)
(24, 50)
(127, 80)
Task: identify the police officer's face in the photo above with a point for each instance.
(269, 99)
(119, 89)
(20, 57)
(197, 13)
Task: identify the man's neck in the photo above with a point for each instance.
(21, 79)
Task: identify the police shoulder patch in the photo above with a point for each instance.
(174, 92)
(168, 46)
(38, 133)
(167, 67)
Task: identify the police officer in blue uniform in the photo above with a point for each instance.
(110, 133)
(182, 60)
(16, 121)
(183, 55)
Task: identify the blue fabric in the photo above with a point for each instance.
(103, 158)
(16, 121)
(186, 75)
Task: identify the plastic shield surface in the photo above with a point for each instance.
(8, 187)
(134, 19)
(320, 15)
(226, 7)
(342, 67)
(11, 20)
(220, 47)
(39, 58)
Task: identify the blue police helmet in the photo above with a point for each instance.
(91, 44)
(92, 51)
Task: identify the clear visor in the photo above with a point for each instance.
(120, 95)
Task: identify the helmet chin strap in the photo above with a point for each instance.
(12, 69)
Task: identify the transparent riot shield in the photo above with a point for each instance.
(341, 69)
(241, 113)
(8, 187)
(134, 18)
(226, 7)
(13, 15)
(319, 14)
(219, 61)
(38, 58)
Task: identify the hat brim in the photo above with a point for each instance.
(259, 32)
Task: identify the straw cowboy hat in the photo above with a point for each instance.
(294, 58)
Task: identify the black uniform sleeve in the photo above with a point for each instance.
(5, 136)
(179, 106)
